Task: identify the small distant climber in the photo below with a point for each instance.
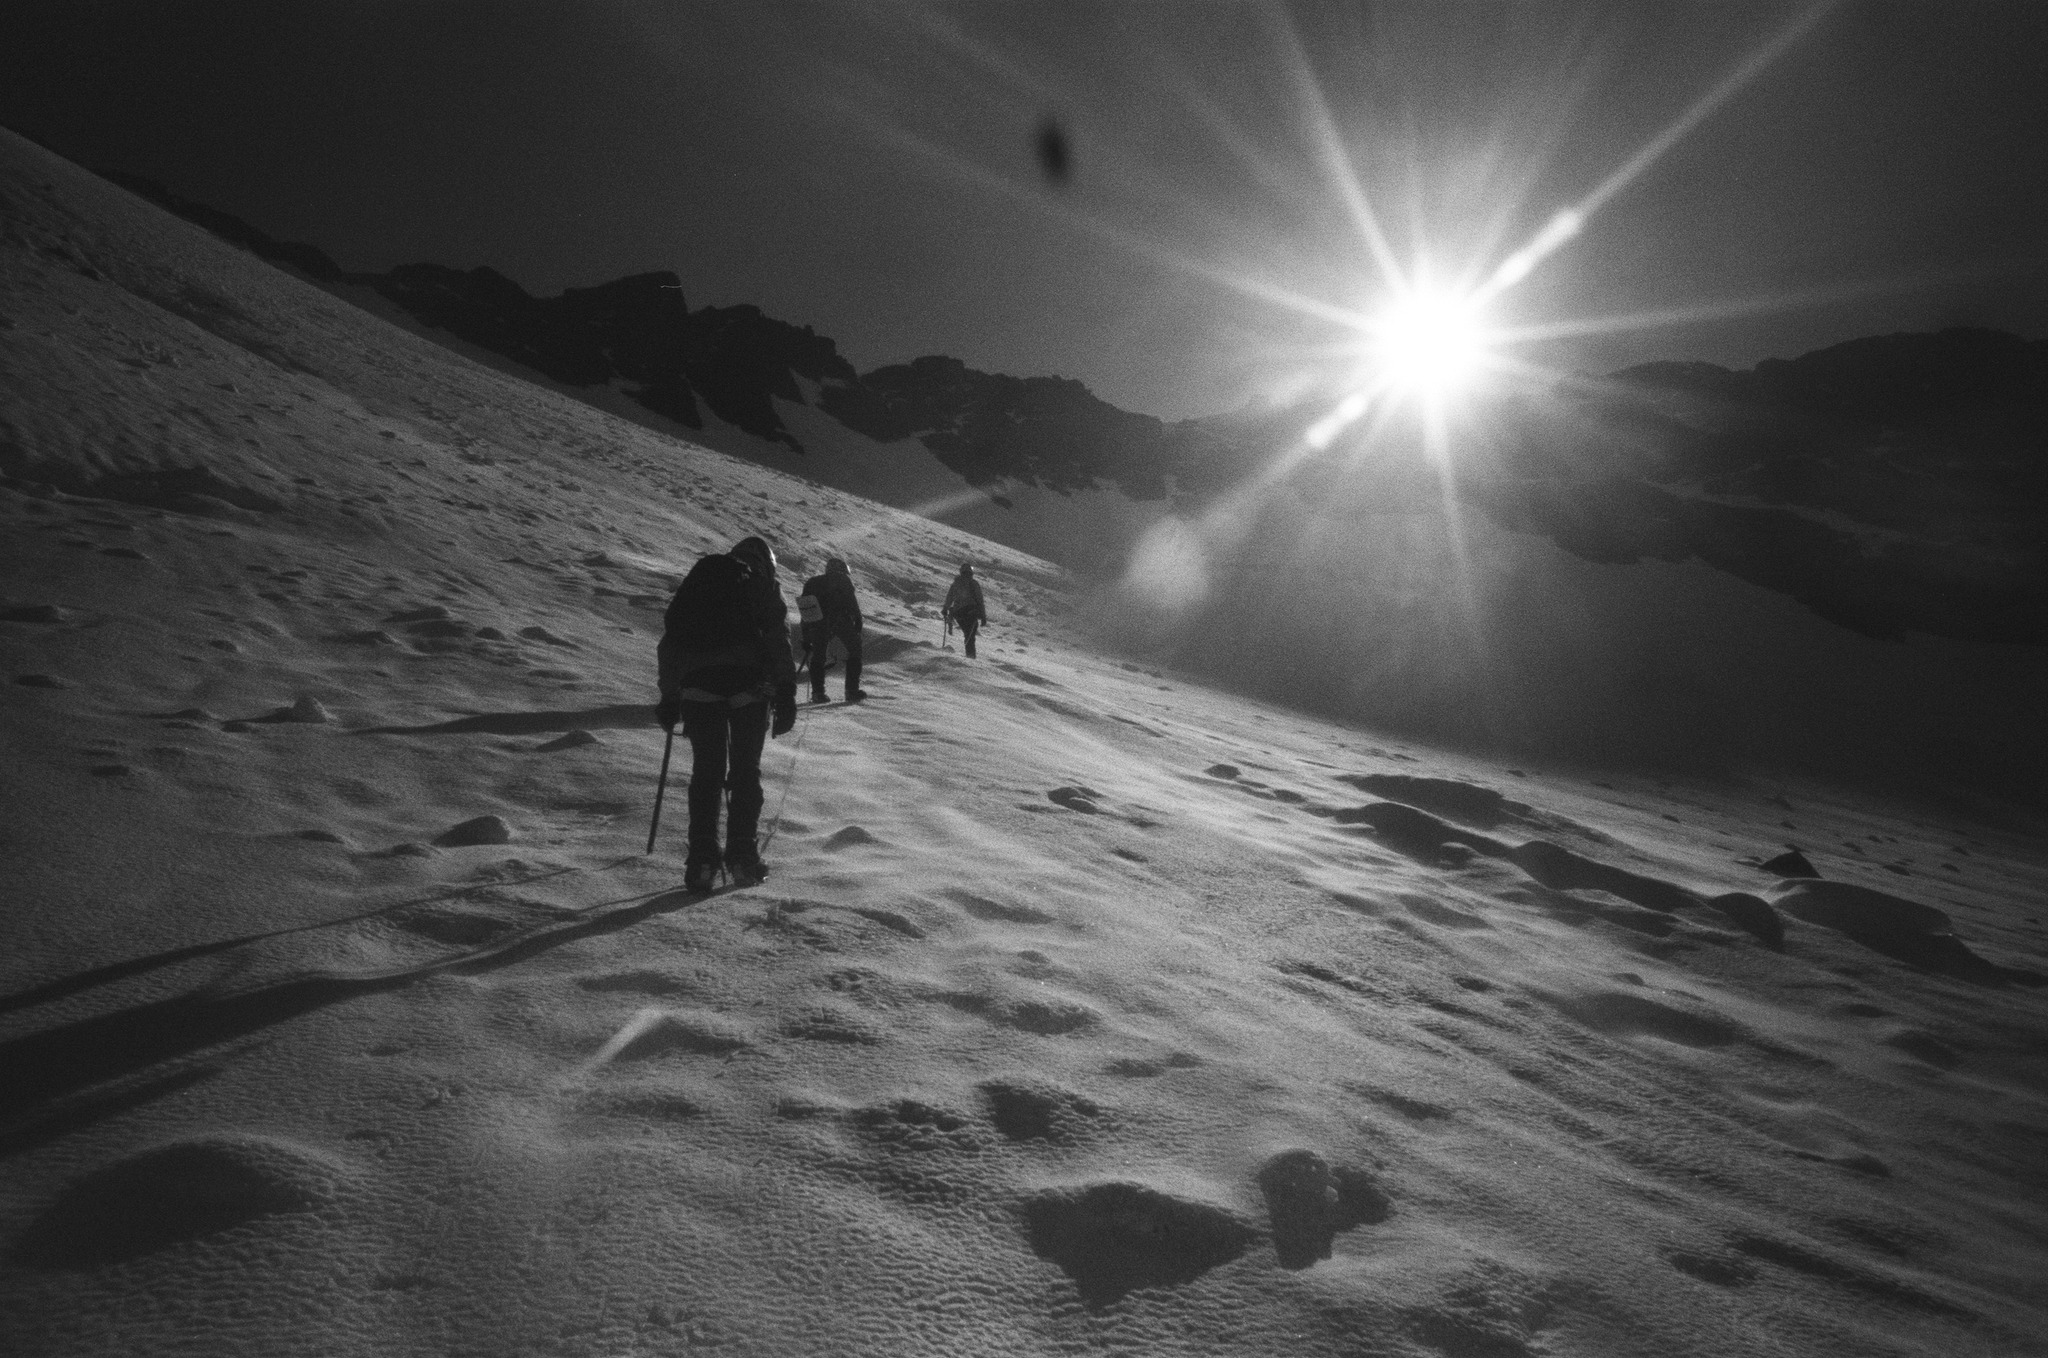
(726, 674)
(965, 606)
(832, 613)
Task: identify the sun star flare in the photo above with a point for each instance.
(1431, 344)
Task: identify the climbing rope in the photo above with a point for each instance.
(803, 726)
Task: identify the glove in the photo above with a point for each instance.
(668, 712)
(785, 710)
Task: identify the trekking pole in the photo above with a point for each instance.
(661, 788)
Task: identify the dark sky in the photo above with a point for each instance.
(869, 169)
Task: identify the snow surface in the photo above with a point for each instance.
(1086, 1009)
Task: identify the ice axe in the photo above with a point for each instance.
(661, 788)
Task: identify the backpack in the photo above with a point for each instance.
(711, 610)
(963, 601)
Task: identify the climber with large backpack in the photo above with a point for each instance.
(965, 607)
(726, 674)
(831, 612)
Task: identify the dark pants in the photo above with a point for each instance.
(818, 638)
(725, 753)
(968, 627)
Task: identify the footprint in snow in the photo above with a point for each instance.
(1032, 1110)
(478, 830)
(1076, 798)
(1308, 1201)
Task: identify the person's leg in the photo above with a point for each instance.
(968, 627)
(852, 640)
(749, 732)
(705, 725)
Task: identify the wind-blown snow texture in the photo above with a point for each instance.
(1087, 1009)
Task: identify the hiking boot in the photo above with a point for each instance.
(743, 861)
(858, 695)
(818, 696)
(700, 875)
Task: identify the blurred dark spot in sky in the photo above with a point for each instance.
(1055, 158)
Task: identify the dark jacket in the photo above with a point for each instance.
(752, 668)
(964, 600)
(834, 593)
(771, 619)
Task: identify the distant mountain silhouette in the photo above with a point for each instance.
(1893, 484)
(1890, 484)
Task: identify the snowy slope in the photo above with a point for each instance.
(1087, 1009)
(1434, 619)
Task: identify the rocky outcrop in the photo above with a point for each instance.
(630, 330)
(1050, 432)
(738, 359)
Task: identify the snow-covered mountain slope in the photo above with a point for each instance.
(1087, 1009)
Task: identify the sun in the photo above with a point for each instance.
(1430, 344)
